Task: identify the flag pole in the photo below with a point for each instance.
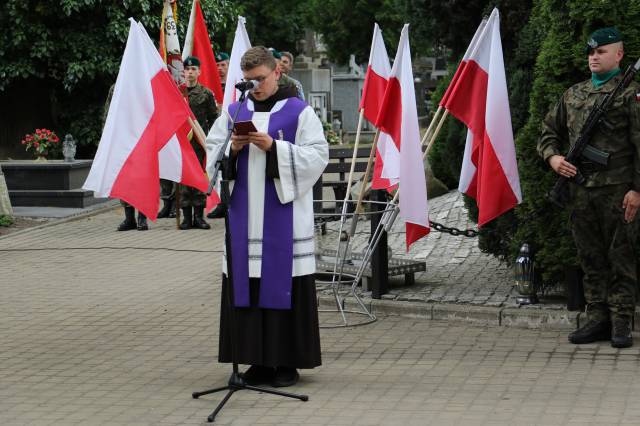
(364, 183)
(353, 163)
(435, 134)
(198, 132)
(433, 120)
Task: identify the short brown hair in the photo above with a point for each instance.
(288, 55)
(256, 56)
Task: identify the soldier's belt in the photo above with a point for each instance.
(587, 166)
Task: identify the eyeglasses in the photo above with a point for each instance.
(259, 78)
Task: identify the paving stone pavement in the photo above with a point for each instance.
(99, 327)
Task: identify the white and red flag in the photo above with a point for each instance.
(146, 111)
(241, 44)
(480, 100)
(399, 118)
(198, 44)
(375, 83)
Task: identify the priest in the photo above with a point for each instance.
(273, 171)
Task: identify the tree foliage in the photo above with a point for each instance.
(75, 46)
(554, 39)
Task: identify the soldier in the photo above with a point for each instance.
(222, 61)
(203, 105)
(603, 209)
(285, 80)
(129, 221)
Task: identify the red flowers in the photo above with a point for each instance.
(41, 142)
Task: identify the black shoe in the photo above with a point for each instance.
(198, 220)
(216, 213)
(621, 334)
(172, 212)
(187, 218)
(142, 222)
(258, 375)
(129, 221)
(285, 376)
(592, 331)
(167, 207)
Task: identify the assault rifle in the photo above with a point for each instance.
(559, 194)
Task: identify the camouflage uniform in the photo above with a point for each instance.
(605, 242)
(203, 105)
(285, 81)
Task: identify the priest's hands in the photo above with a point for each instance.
(261, 140)
(238, 142)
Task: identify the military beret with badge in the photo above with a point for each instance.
(222, 56)
(191, 61)
(602, 37)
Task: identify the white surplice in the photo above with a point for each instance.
(299, 165)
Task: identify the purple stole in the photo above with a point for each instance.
(277, 237)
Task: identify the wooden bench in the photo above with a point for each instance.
(339, 163)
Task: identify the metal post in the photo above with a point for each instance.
(379, 257)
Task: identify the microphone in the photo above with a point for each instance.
(247, 85)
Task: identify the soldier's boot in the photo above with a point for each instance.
(217, 212)
(198, 219)
(142, 222)
(166, 209)
(592, 331)
(621, 333)
(172, 210)
(129, 221)
(187, 218)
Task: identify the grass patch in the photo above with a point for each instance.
(6, 220)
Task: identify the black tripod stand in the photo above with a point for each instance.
(236, 381)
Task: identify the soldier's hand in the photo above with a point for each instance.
(261, 140)
(630, 204)
(238, 142)
(562, 167)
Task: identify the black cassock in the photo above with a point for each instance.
(273, 337)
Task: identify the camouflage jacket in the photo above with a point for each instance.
(285, 80)
(203, 104)
(620, 138)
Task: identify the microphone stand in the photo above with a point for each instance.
(236, 381)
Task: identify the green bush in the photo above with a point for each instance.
(6, 220)
(560, 29)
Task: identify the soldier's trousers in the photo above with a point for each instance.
(191, 197)
(606, 248)
(167, 189)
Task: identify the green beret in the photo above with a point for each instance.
(191, 61)
(275, 53)
(222, 56)
(602, 37)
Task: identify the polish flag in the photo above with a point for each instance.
(241, 44)
(463, 62)
(399, 118)
(145, 113)
(480, 100)
(375, 83)
(197, 44)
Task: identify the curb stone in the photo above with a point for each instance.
(108, 205)
(543, 319)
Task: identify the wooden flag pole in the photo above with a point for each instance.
(198, 132)
(365, 177)
(435, 134)
(354, 156)
(433, 120)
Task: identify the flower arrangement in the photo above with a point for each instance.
(41, 142)
(331, 135)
